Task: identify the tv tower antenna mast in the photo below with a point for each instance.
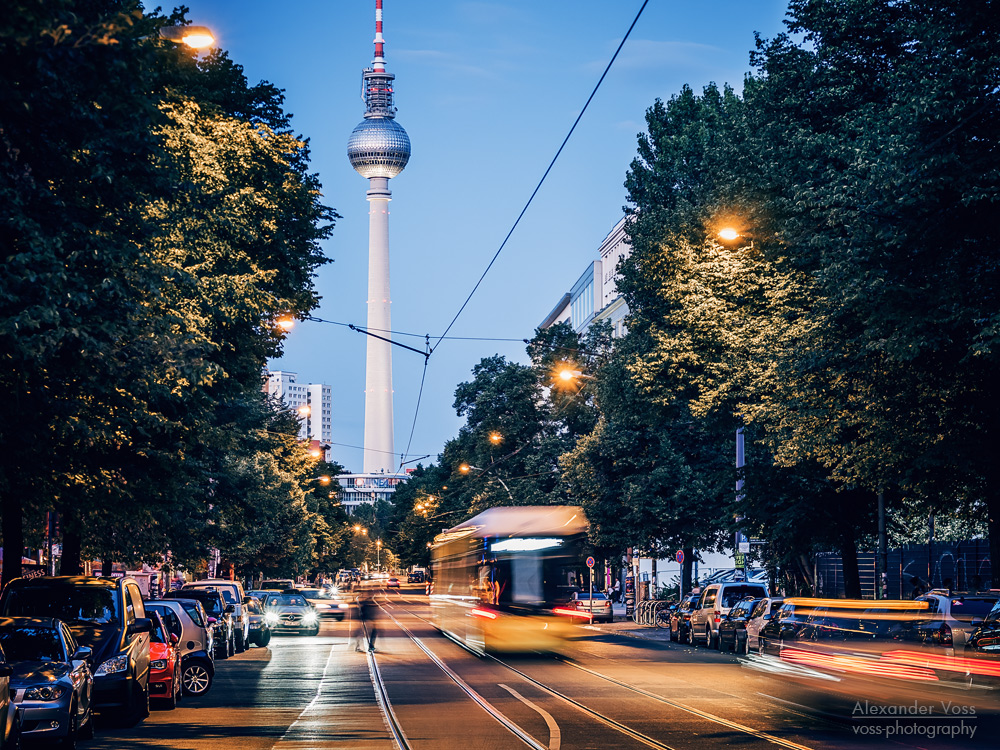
(378, 149)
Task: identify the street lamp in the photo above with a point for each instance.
(496, 438)
(196, 37)
(378, 555)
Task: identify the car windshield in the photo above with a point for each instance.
(968, 609)
(595, 596)
(733, 595)
(315, 593)
(211, 603)
(67, 603)
(285, 600)
(194, 611)
(31, 643)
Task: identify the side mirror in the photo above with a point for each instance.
(174, 640)
(212, 621)
(141, 625)
(246, 599)
(230, 608)
(82, 654)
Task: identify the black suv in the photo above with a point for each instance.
(220, 617)
(105, 614)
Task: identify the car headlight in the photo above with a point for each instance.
(309, 618)
(114, 664)
(344, 605)
(44, 693)
(158, 664)
(271, 618)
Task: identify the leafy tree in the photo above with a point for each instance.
(161, 216)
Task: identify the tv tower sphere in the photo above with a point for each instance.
(378, 147)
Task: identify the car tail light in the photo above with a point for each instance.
(946, 635)
(484, 613)
(570, 612)
(718, 617)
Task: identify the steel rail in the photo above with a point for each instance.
(606, 720)
(639, 691)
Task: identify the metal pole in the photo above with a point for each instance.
(591, 596)
(882, 568)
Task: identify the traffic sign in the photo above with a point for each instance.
(744, 547)
(740, 560)
(590, 562)
(680, 556)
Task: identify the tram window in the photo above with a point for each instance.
(527, 579)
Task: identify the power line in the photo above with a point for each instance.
(546, 174)
(363, 329)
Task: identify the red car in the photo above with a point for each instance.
(164, 665)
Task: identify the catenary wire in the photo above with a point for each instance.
(546, 174)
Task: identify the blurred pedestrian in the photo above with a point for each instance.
(368, 612)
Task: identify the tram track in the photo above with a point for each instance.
(605, 720)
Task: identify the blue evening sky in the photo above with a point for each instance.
(487, 91)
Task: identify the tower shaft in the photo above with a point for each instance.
(379, 454)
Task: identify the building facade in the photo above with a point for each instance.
(313, 402)
(595, 296)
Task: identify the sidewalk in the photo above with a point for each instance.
(628, 627)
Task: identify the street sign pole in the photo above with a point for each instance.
(590, 564)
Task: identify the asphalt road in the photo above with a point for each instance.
(607, 691)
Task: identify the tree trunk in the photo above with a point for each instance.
(686, 569)
(992, 527)
(13, 535)
(71, 562)
(852, 575)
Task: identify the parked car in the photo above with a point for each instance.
(983, 646)
(232, 594)
(597, 604)
(164, 664)
(762, 612)
(680, 619)
(290, 613)
(10, 721)
(277, 584)
(325, 604)
(51, 680)
(392, 583)
(733, 628)
(716, 600)
(220, 617)
(187, 619)
(260, 631)
(108, 616)
(951, 618)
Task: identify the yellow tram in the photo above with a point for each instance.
(501, 580)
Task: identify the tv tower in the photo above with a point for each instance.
(378, 148)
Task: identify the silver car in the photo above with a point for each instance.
(52, 684)
(762, 612)
(187, 619)
(291, 613)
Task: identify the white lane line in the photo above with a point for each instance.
(319, 690)
(555, 734)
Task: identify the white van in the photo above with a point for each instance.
(233, 594)
(716, 601)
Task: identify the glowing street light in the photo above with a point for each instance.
(729, 234)
(305, 411)
(496, 438)
(196, 37)
(285, 323)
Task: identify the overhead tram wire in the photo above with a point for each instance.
(443, 336)
(546, 174)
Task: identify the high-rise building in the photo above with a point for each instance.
(313, 402)
(378, 149)
(595, 295)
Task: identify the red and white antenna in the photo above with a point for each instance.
(379, 62)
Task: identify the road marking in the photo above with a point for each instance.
(555, 734)
(319, 690)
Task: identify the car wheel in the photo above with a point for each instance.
(761, 647)
(231, 645)
(744, 647)
(69, 741)
(169, 704)
(689, 636)
(315, 631)
(240, 643)
(264, 639)
(197, 679)
(711, 639)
